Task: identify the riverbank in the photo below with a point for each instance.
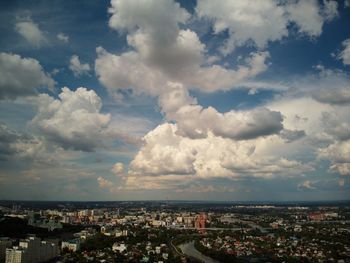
(189, 250)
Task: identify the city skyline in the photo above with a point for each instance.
(175, 100)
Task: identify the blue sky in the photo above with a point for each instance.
(144, 100)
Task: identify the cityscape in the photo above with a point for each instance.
(174, 131)
(171, 231)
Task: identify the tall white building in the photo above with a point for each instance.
(32, 250)
(16, 255)
(33, 245)
(5, 242)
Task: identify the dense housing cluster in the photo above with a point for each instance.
(173, 232)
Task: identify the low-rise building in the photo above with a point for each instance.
(72, 245)
(119, 247)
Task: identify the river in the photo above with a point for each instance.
(189, 250)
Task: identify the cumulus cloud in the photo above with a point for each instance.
(165, 153)
(248, 22)
(21, 76)
(31, 32)
(162, 182)
(306, 185)
(330, 86)
(292, 135)
(301, 113)
(107, 184)
(335, 127)
(194, 121)
(245, 21)
(307, 16)
(215, 77)
(167, 60)
(63, 37)
(153, 30)
(344, 55)
(333, 96)
(330, 10)
(200, 188)
(20, 146)
(118, 169)
(73, 121)
(327, 128)
(77, 67)
(126, 72)
(163, 52)
(339, 155)
(7, 138)
(346, 3)
(129, 72)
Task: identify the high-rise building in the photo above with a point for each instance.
(32, 250)
(5, 242)
(16, 255)
(200, 221)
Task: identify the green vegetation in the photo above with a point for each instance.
(18, 228)
(218, 255)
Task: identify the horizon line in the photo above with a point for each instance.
(179, 201)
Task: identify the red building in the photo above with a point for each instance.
(316, 216)
(200, 221)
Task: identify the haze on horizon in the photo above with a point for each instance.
(180, 100)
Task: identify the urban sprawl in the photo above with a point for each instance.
(32, 232)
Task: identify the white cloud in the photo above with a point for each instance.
(346, 3)
(164, 52)
(215, 77)
(292, 135)
(329, 86)
(249, 22)
(63, 37)
(301, 113)
(159, 18)
(344, 55)
(167, 182)
(336, 127)
(334, 96)
(245, 20)
(106, 184)
(73, 121)
(118, 169)
(306, 185)
(167, 61)
(307, 15)
(16, 146)
(326, 127)
(174, 59)
(339, 155)
(330, 10)
(7, 138)
(166, 155)
(31, 32)
(194, 121)
(129, 72)
(77, 67)
(21, 76)
(198, 188)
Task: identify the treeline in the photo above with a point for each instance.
(14, 227)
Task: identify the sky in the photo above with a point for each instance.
(175, 100)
